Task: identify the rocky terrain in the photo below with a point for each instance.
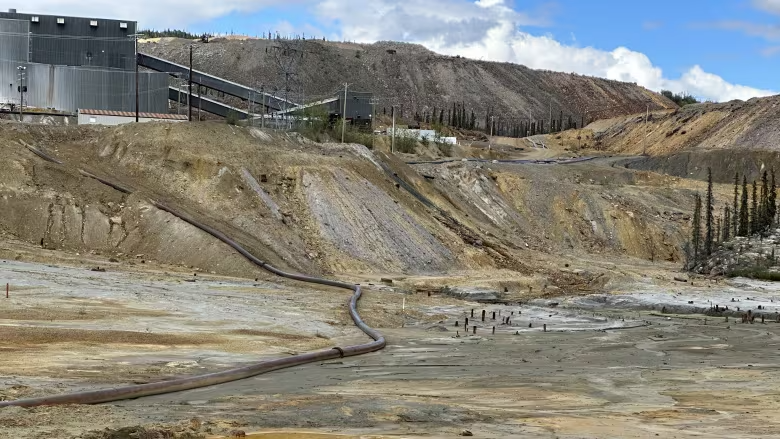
(581, 261)
(727, 137)
(754, 256)
(324, 208)
(410, 77)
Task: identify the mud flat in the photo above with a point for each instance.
(613, 375)
(732, 297)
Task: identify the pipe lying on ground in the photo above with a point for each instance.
(180, 384)
(43, 155)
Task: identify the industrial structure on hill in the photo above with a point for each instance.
(75, 64)
(66, 63)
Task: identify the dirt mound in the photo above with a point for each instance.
(752, 125)
(321, 208)
(412, 78)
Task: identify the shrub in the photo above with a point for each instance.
(231, 118)
(755, 273)
(445, 148)
(406, 144)
(681, 99)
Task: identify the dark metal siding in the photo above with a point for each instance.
(14, 40)
(76, 43)
(359, 105)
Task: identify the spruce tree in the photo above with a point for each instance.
(709, 238)
(726, 234)
(764, 219)
(716, 240)
(754, 210)
(735, 213)
(453, 122)
(772, 200)
(696, 229)
(744, 215)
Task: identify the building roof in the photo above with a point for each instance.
(132, 114)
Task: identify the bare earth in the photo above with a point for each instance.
(68, 328)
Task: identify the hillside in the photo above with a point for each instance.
(728, 137)
(326, 208)
(411, 77)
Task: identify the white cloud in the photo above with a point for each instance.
(771, 6)
(479, 29)
(489, 30)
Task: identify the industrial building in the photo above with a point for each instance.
(67, 63)
(359, 107)
(105, 117)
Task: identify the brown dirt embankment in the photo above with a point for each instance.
(322, 208)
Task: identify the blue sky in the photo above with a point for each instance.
(714, 49)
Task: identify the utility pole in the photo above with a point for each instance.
(249, 108)
(551, 120)
(21, 90)
(262, 121)
(344, 117)
(137, 96)
(189, 88)
(491, 132)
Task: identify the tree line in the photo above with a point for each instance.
(681, 99)
(168, 33)
(461, 117)
(752, 212)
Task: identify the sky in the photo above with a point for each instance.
(716, 50)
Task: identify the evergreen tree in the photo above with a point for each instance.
(726, 234)
(696, 229)
(441, 117)
(709, 237)
(763, 210)
(454, 120)
(754, 210)
(717, 231)
(744, 215)
(735, 220)
(449, 118)
(433, 117)
(772, 200)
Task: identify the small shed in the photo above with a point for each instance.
(105, 117)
